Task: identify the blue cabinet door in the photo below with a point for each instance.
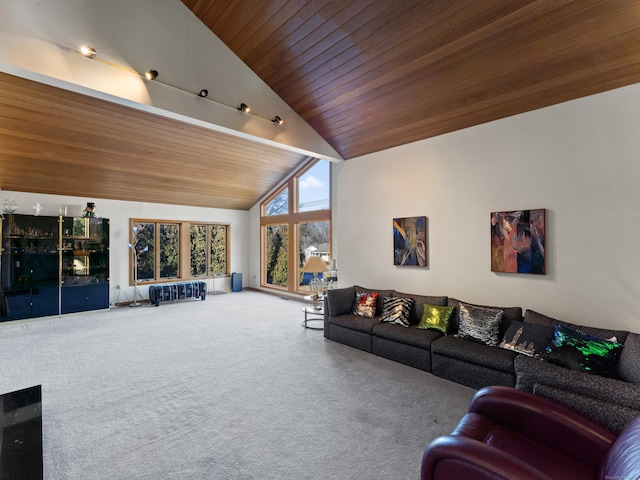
(74, 299)
(44, 301)
(97, 296)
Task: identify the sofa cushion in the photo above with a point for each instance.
(436, 317)
(340, 300)
(629, 363)
(576, 350)
(365, 304)
(527, 338)
(418, 302)
(473, 352)
(381, 295)
(409, 336)
(509, 314)
(355, 322)
(396, 310)
(480, 324)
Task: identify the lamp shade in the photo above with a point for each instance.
(315, 264)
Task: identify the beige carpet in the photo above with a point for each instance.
(229, 388)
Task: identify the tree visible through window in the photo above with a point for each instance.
(146, 234)
(279, 205)
(277, 255)
(169, 250)
(198, 239)
(218, 255)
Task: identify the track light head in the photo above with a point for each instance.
(244, 108)
(277, 120)
(203, 93)
(151, 74)
(88, 51)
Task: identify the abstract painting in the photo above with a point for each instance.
(517, 241)
(410, 241)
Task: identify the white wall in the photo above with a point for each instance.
(120, 212)
(579, 160)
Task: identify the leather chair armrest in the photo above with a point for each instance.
(544, 421)
(454, 457)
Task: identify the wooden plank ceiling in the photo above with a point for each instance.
(60, 142)
(368, 75)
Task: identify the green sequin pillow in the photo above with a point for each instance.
(577, 350)
(435, 317)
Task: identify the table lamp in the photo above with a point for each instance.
(315, 265)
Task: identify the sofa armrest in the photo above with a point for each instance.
(532, 371)
(608, 414)
(454, 457)
(545, 421)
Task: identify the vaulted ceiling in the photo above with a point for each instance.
(368, 75)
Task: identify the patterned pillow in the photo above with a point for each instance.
(577, 350)
(365, 304)
(527, 338)
(436, 317)
(480, 324)
(396, 310)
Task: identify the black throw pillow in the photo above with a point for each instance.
(527, 338)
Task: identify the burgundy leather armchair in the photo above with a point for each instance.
(510, 434)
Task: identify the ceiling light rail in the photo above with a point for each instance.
(152, 75)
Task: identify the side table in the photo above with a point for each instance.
(309, 313)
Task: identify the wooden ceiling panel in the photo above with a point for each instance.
(368, 76)
(60, 142)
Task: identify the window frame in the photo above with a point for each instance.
(184, 250)
(292, 219)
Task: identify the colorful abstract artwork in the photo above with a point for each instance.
(517, 241)
(410, 241)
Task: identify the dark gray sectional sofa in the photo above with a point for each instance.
(613, 402)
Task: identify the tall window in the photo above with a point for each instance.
(169, 246)
(277, 255)
(179, 250)
(218, 250)
(146, 249)
(296, 224)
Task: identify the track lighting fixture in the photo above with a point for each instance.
(151, 74)
(88, 51)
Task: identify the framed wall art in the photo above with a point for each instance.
(410, 241)
(518, 241)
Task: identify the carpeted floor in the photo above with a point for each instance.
(229, 388)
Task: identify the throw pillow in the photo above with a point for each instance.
(529, 339)
(396, 310)
(365, 304)
(435, 317)
(577, 350)
(480, 324)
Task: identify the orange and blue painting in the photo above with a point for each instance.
(517, 241)
(410, 241)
